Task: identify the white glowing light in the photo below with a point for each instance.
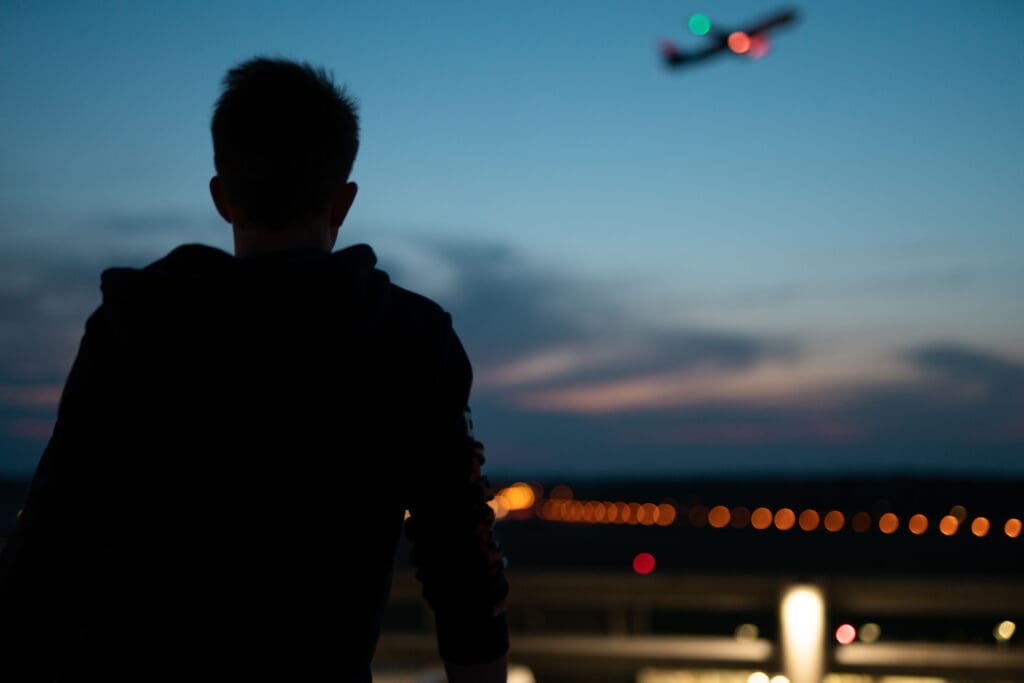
(803, 634)
(779, 679)
(758, 677)
(1005, 630)
(520, 674)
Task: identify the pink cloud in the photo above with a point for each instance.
(31, 396)
(30, 428)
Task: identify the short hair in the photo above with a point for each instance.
(284, 137)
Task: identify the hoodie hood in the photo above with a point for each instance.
(197, 287)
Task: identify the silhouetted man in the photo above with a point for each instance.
(240, 437)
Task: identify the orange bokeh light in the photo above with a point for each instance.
(649, 514)
(739, 42)
(561, 492)
(698, 516)
(888, 523)
(948, 525)
(861, 522)
(834, 520)
(980, 526)
(1012, 528)
(809, 520)
(918, 524)
(719, 516)
(740, 518)
(785, 519)
(666, 514)
(761, 518)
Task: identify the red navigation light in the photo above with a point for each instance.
(643, 563)
(739, 42)
(846, 634)
(668, 49)
(759, 45)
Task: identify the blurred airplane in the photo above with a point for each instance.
(752, 42)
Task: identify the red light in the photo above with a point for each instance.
(759, 46)
(846, 634)
(668, 49)
(739, 42)
(643, 563)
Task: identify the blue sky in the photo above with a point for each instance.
(806, 262)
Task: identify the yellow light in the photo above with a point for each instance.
(761, 519)
(918, 524)
(758, 677)
(650, 514)
(980, 526)
(888, 523)
(746, 632)
(1012, 527)
(588, 511)
(634, 514)
(803, 633)
(870, 632)
(666, 514)
(834, 521)
(778, 678)
(407, 515)
(948, 525)
(1004, 631)
(809, 520)
(785, 519)
(719, 516)
(519, 496)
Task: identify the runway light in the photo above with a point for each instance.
(719, 516)
(834, 521)
(739, 42)
(746, 632)
(809, 520)
(1012, 527)
(980, 526)
(761, 519)
(643, 563)
(699, 25)
(918, 524)
(698, 516)
(803, 633)
(758, 677)
(846, 634)
(740, 518)
(948, 525)
(785, 519)
(1004, 630)
(861, 522)
(870, 632)
(888, 523)
(759, 46)
(666, 514)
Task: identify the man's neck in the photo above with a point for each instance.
(254, 242)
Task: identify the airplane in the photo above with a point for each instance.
(752, 42)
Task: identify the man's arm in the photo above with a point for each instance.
(451, 526)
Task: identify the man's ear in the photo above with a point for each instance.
(220, 199)
(341, 202)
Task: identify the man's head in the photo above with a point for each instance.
(284, 140)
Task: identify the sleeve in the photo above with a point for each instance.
(456, 554)
(41, 584)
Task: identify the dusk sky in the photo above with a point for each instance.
(807, 263)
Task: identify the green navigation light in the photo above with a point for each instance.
(699, 24)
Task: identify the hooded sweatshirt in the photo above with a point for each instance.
(236, 447)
